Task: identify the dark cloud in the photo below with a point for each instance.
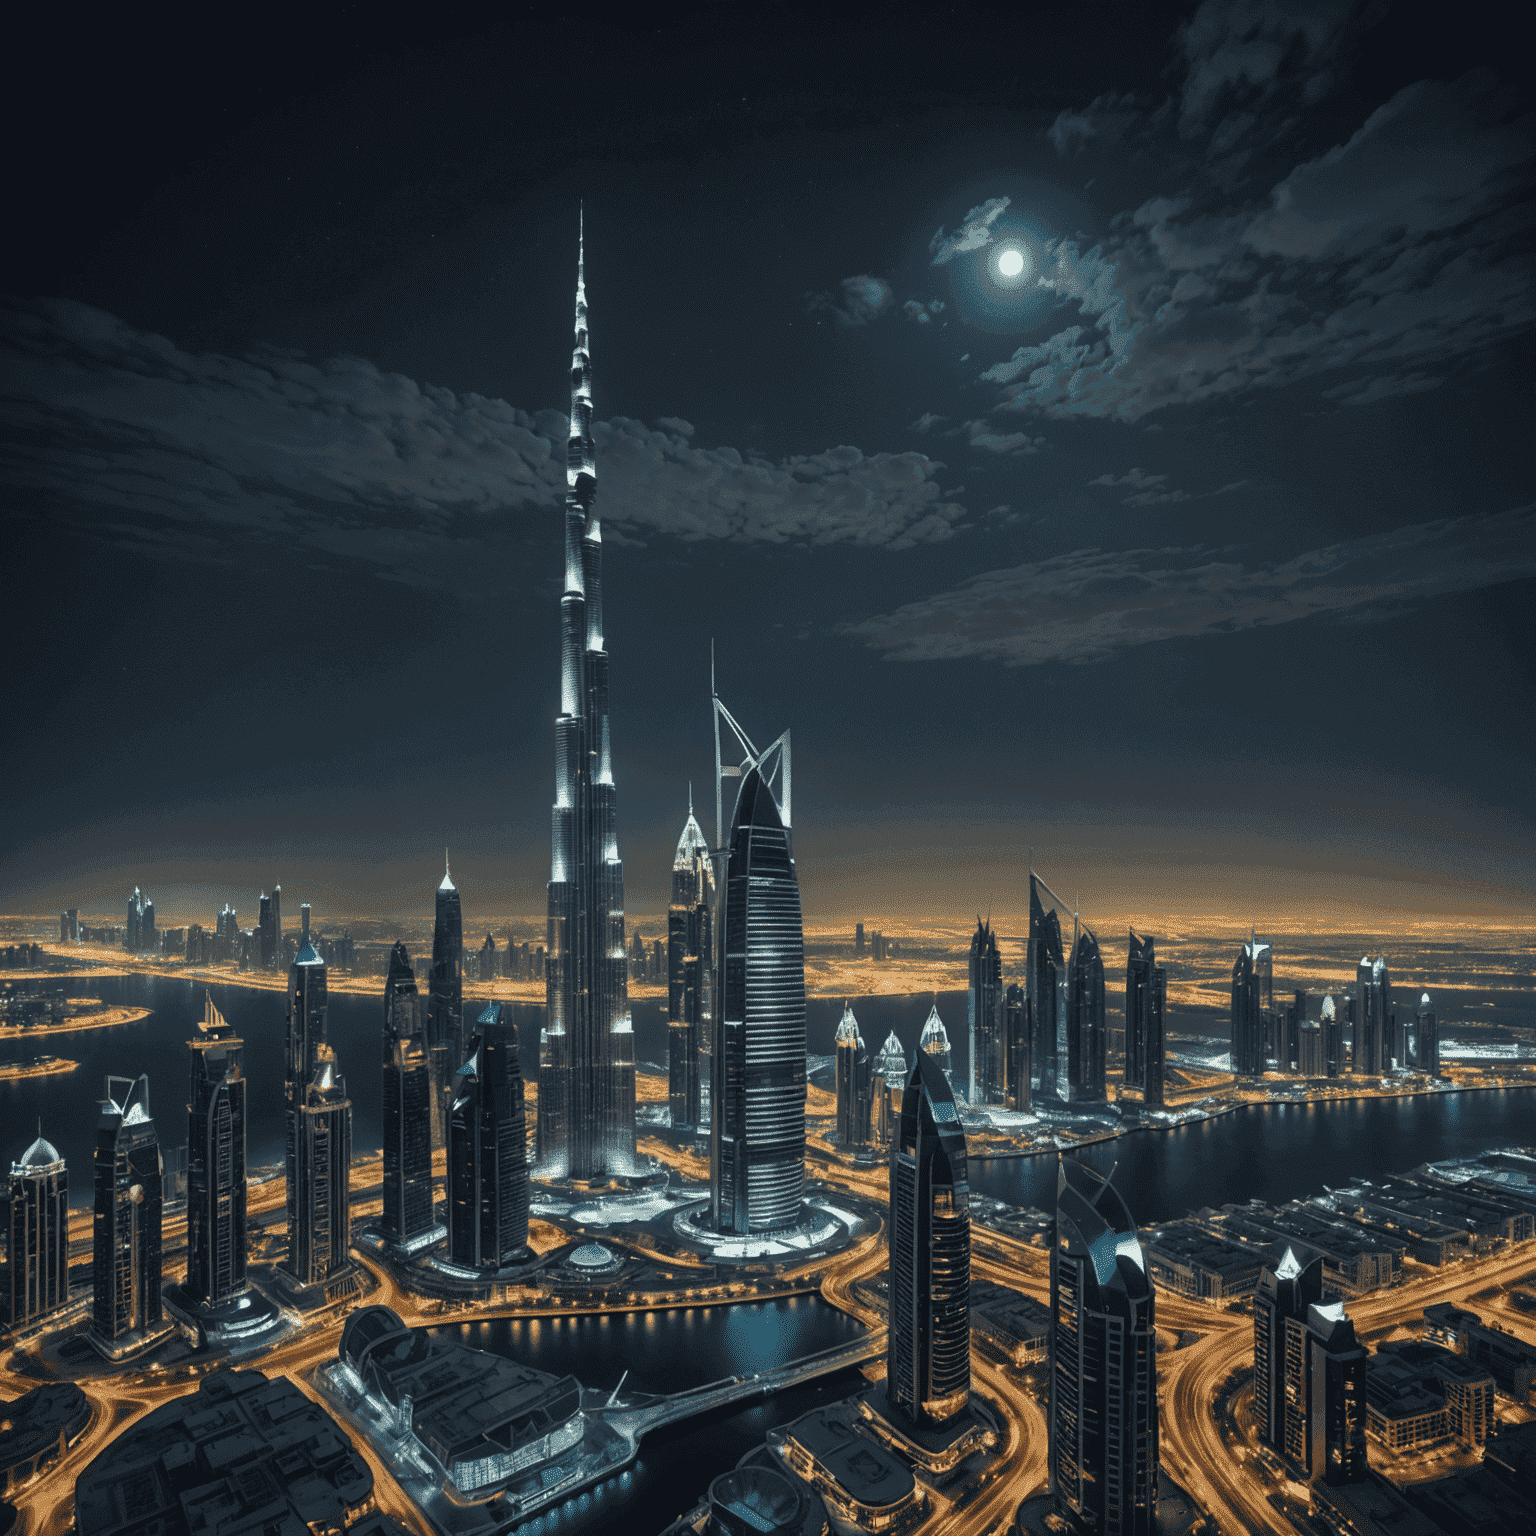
(164, 449)
(922, 313)
(1089, 604)
(1398, 251)
(1146, 490)
(863, 298)
(983, 435)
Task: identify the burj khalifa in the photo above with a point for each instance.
(587, 1049)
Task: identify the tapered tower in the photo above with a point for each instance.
(587, 1125)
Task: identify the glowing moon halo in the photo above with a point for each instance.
(1011, 263)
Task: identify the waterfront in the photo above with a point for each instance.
(669, 1351)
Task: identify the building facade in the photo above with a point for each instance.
(36, 1221)
(445, 1002)
(216, 1229)
(1373, 1008)
(934, 1040)
(888, 1080)
(1045, 968)
(488, 1151)
(1146, 994)
(690, 972)
(1247, 1013)
(1333, 1038)
(853, 1081)
(1103, 1405)
(1336, 1400)
(1280, 1400)
(928, 1352)
(1016, 1032)
(408, 1219)
(127, 1208)
(588, 1127)
(757, 1099)
(1087, 1037)
(1426, 1038)
(987, 1072)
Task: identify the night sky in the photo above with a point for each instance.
(1200, 556)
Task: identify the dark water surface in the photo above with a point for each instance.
(670, 1351)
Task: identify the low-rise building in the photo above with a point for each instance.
(38, 1427)
(1511, 1362)
(242, 1453)
(1015, 1325)
(483, 1420)
(1418, 1394)
(1188, 1259)
(861, 1482)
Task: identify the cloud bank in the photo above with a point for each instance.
(1090, 604)
(128, 436)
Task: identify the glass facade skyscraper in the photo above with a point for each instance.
(1247, 1014)
(1086, 1037)
(1280, 1306)
(1016, 1031)
(987, 1075)
(488, 1151)
(1103, 1406)
(587, 1099)
(757, 1101)
(928, 1350)
(1426, 1038)
(408, 1218)
(445, 1002)
(216, 1231)
(1373, 1008)
(35, 1213)
(853, 1082)
(1146, 994)
(1045, 966)
(690, 971)
(126, 1252)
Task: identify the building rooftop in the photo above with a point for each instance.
(34, 1421)
(864, 1469)
(41, 1154)
(241, 1454)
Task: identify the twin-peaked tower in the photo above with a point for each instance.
(587, 1053)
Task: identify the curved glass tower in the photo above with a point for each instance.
(586, 1056)
(928, 1360)
(757, 1108)
(1104, 1370)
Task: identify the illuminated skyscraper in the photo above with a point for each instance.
(35, 1211)
(1247, 1015)
(987, 1073)
(1426, 1039)
(319, 1141)
(445, 1002)
(1264, 969)
(1016, 1032)
(1336, 1407)
(589, 1129)
(890, 1076)
(1146, 992)
(1044, 969)
(1373, 1005)
(928, 1359)
(488, 1151)
(1086, 1035)
(320, 1188)
(934, 1040)
(1103, 1408)
(408, 1219)
(216, 1238)
(1280, 1355)
(125, 1259)
(757, 1107)
(133, 927)
(690, 971)
(1333, 1039)
(853, 1082)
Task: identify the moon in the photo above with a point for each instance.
(1011, 262)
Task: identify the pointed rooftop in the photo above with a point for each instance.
(491, 1015)
(934, 1034)
(447, 884)
(1328, 1009)
(307, 955)
(41, 1154)
(848, 1028)
(1290, 1267)
(691, 845)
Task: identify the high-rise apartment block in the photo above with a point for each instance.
(1146, 994)
(34, 1209)
(216, 1228)
(408, 1219)
(488, 1151)
(1103, 1404)
(1087, 1037)
(928, 1353)
(987, 1073)
(126, 1252)
(853, 1078)
(690, 972)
